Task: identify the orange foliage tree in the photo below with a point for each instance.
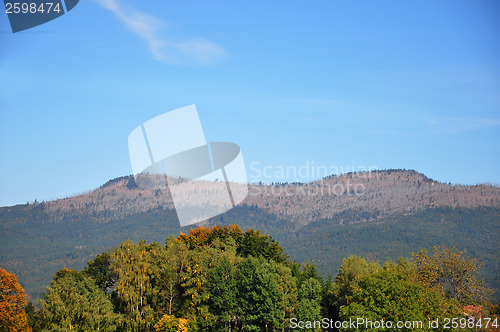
(12, 302)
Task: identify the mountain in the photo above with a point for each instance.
(377, 193)
(377, 215)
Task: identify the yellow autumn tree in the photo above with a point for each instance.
(169, 323)
(12, 301)
(453, 272)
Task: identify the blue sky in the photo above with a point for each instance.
(391, 84)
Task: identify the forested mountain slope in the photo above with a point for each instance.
(377, 193)
(398, 212)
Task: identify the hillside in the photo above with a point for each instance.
(398, 212)
(377, 194)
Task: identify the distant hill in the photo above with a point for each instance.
(378, 215)
(377, 193)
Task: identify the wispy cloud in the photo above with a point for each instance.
(151, 29)
(93, 46)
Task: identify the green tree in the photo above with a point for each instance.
(223, 295)
(394, 294)
(161, 276)
(259, 295)
(328, 298)
(74, 302)
(310, 296)
(34, 317)
(255, 244)
(100, 271)
(309, 271)
(195, 289)
(287, 285)
(351, 270)
(173, 266)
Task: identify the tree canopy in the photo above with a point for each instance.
(226, 279)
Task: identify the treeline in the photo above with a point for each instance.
(226, 279)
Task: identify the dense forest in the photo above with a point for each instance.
(35, 250)
(226, 279)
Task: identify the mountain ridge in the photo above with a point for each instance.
(381, 193)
